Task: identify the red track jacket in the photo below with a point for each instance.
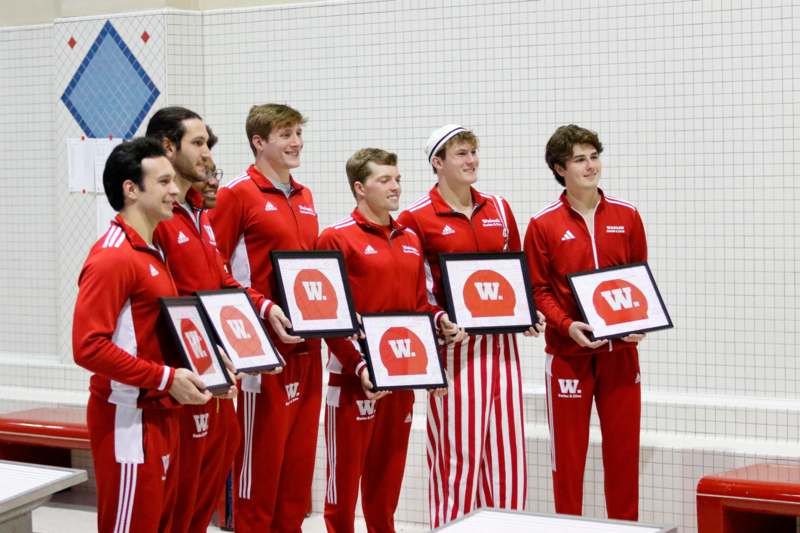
(386, 273)
(251, 219)
(492, 228)
(188, 237)
(558, 243)
(116, 332)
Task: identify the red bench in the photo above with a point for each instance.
(47, 435)
(43, 435)
(752, 499)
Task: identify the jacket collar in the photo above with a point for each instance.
(133, 237)
(441, 206)
(565, 200)
(265, 184)
(362, 221)
(194, 198)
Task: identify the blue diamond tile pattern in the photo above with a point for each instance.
(110, 93)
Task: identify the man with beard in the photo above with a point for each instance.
(209, 437)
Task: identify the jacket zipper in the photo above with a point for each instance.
(594, 248)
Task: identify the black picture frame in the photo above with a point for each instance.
(370, 347)
(591, 316)
(211, 302)
(170, 313)
(452, 267)
(283, 264)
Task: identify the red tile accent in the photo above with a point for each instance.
(145, 37)
(72, 42)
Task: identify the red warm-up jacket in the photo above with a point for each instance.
(492, 228)
(558, 243)
(116, 331)
(253, 218)
(386, 273)
(190, 249)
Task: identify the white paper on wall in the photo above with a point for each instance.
(86, 159)
(104, 213)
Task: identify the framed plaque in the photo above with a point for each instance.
(620, 300)
(401, 351)
(236, 324)
(488, 293)
(192, 336)
(314, 293)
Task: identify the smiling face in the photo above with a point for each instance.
(190, 158)
(158, 192)
(380, 190)
(209, 188)
(581, 171)
(458, 165)
(281, 150)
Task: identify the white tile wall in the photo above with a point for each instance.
(696, 103)
(75, 229)
(27, 202)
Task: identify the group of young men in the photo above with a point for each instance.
(163, 446)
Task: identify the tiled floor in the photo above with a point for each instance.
(80, 519)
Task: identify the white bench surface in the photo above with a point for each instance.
(21, 483)
(483, 521)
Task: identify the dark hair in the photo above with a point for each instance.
(167, 123)
(125, 163)
(559, 147)
(357, 169)
(212, 138)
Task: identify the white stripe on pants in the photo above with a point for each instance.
(476, 439)
(127, 493)
(246, 475)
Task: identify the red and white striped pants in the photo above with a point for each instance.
(476, 433)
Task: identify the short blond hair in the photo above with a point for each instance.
(461, 137)
(262, 119)
(357, 166)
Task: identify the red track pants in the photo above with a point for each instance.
(135, 453)
(275, 464)
(366, 441)
(612, 380)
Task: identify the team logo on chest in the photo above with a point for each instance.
(270, 206)
(410, 250)
(305, 210)
(447, 230)
(366, 409)
(615, 229)
(492, 223)
(210, 232)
